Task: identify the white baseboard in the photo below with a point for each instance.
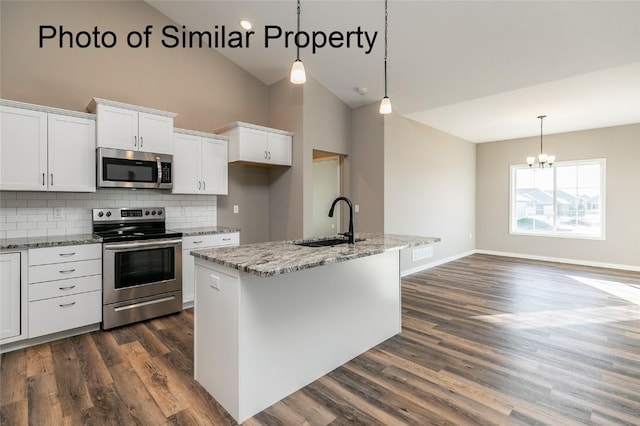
(521, 256)
(562, 260)
(436, 263)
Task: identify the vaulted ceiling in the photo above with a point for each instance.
(480, 70)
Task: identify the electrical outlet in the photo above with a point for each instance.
(214, 282)
(236, 209)
(356, 208)
(58, 212)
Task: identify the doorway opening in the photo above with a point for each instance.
(327, 184)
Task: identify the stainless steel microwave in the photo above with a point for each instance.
(119, 168)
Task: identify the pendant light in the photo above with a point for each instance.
(298, 75)
(543, 159)
(385, 104)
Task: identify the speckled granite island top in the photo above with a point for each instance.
(204, 230)
(50, 241)
(281, 257)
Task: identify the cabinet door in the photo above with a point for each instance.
(186, 165)
(23, 149)
(117, 128)
(72, 154)
(156, 133)
(279, 148)
(253, 145)
(215, 164)
(9, 295)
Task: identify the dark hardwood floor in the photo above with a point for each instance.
(485, 340)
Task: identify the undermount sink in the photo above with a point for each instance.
(325, 243)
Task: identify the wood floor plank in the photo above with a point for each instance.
(486, 340)
(72, 391)
(44, 402)
(39, 360)
(136, 396)
(13, 377)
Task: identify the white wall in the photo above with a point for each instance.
(620, 145)
(429, 187)
(30, 214)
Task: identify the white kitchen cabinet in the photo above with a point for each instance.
(258, 145)
(188, 262)
(10, 296)
(200, 163)
(133, 128)
(65, 288)
(46, 149)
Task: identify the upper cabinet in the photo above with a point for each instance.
(200, 163)
(133, 128)
(46, 149)
(257, 145)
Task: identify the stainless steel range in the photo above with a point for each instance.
(141, 265)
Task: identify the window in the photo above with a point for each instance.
(565, 200)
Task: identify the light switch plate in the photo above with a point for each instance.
(236, 209)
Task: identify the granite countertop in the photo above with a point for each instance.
(205, 230)
(50, 241)
(281, 257)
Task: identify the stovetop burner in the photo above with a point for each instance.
(131, 224)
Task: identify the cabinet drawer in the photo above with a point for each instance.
(48, 255)
(215, 240)
(63, 271)
(50, 289)
(64, 313)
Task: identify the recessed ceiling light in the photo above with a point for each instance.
(361, 90)
(246, 24)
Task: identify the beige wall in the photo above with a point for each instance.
(203, 87)
(367, 168)
(429, 187)
(619, 145)
(320, 121)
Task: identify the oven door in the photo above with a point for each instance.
(141, 268)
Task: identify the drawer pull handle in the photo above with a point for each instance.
(226, 239)
(67, 305)
(67, 254)
(198, 242)
(69, 287)
(67, 271)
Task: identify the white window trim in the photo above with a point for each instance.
(603, 191)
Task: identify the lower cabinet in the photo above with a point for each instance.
(188, 262)
(65, 288)
(11, 318)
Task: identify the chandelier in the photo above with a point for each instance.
(543, 159)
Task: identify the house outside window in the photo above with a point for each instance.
(566, 200)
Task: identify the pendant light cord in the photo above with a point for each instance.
(386, 30)
(541, 119)
(297, 46)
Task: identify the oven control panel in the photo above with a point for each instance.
(126, 214)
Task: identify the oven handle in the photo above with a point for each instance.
(132, 246)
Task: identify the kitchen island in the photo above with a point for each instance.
(271, 318)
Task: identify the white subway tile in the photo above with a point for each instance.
(11, 226)
(16, 203)
(27, 225)
(37, 233)
(8, 195)
(36, 203)
(17, 234)
(46, 225)
(37, 218)
(56, 232)
(56, 203)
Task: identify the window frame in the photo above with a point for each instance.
(554, 233)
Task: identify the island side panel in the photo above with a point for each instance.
(296, 327)
(216, 319)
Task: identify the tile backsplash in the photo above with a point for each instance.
(31, 214)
